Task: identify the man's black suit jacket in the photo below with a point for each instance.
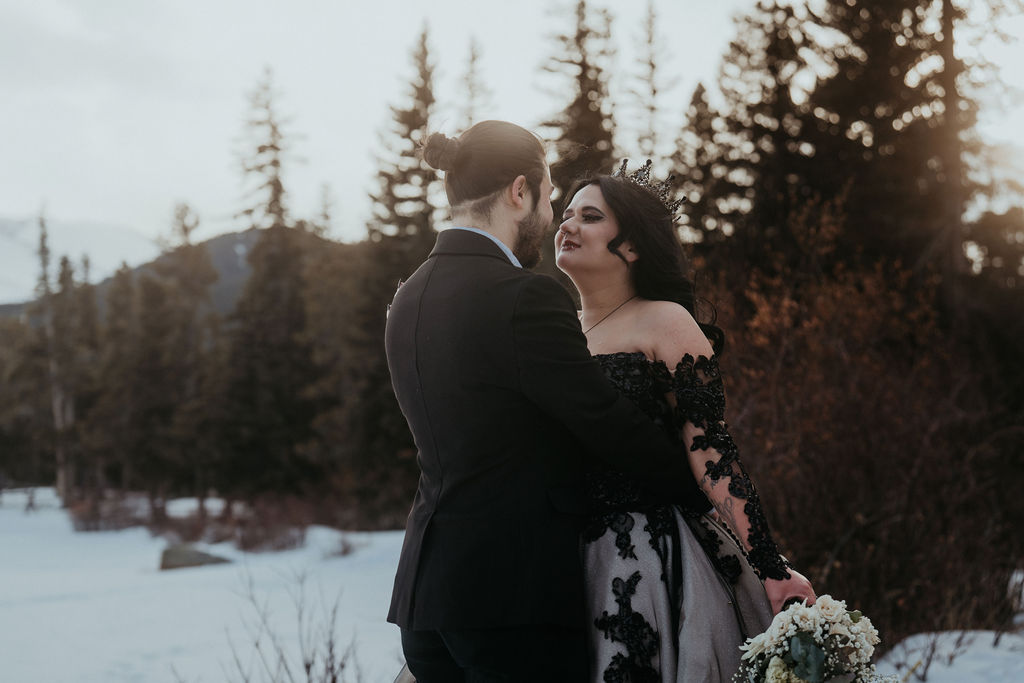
(505, 403)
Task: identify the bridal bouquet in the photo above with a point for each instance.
(823, 642)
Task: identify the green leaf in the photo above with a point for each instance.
(809, 658)
(855, 615)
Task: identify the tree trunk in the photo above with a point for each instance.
(952, 259)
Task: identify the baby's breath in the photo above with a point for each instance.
(845, 642)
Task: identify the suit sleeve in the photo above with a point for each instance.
(557, 372)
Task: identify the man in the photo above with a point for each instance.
(492, 372)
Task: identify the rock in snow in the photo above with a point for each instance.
(181, 555)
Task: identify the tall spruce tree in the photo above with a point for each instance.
(475, 93)
(401, 233)
(650, 86)
(899, 127)
(268, 415)
(154, 459)
(873, 126)
(26, 416)
(87, 382)
(263, 161)
(583, 132)
(765, 159)
(114, 430)
(698, 165)
(55, 325)
(188, 273)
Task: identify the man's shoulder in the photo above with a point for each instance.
(537, 291)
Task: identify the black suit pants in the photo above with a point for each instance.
(536, 653)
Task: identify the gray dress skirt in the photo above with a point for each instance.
(660, 608)
(670, 596)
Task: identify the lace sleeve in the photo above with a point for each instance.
(700, 418)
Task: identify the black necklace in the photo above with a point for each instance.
(587, 331)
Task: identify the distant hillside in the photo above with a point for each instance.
(107, 246)
(229, 256)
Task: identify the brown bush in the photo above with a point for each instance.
(869, 432)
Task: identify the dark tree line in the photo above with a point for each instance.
(827, 194)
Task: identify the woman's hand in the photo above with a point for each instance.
(780, 590)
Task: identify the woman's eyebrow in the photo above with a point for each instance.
(584, 208)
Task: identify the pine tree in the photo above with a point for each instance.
(87, 382)
(698, 165)
(475, 94)
(401, 235)
(322, 225)
(55, 327)
(402, 203)
(26, 414)
(583, 131)
(265, 159)
(187, 273)
(959, 140)
(765, 158)
(650, 86)
(114, 432)
(268, 416)
(154, 458)
(873, 128)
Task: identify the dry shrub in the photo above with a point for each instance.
(372, 500)
(274, 523)
(107, 512)
(868, 431)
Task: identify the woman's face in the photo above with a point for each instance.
(588, 225)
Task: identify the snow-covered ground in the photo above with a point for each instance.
(93, 607)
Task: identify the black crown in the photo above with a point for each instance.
(642, 177)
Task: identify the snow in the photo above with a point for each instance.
(978, 657)
(93, 608)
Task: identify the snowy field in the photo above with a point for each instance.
(93, 607)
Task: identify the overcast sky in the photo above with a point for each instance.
(113, 110)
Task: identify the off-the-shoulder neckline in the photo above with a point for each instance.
(623, 354)
(653, 361)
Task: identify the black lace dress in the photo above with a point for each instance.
(671, 596)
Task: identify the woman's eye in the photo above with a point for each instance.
(591, 217)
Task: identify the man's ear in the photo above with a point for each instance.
(517, 192)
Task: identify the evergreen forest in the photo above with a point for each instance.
(847, 228)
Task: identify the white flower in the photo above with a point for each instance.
(755, 646)
(777, 631)
(778, 673)
(830, 610)
(842, 629)
(806, 619)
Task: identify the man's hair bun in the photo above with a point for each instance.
(440, 151)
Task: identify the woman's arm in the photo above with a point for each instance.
(698, 398)
(557, 372)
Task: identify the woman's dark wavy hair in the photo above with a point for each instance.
(660, 271)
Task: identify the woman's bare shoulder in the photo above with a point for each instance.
(672, 331)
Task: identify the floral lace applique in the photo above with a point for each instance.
(632, 630)
(621, 523)
(700, 401)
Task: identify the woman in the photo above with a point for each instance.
(671, 596)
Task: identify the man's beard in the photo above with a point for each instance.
(530, 239)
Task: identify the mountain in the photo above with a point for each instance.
(229, 256)
(106, 245)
